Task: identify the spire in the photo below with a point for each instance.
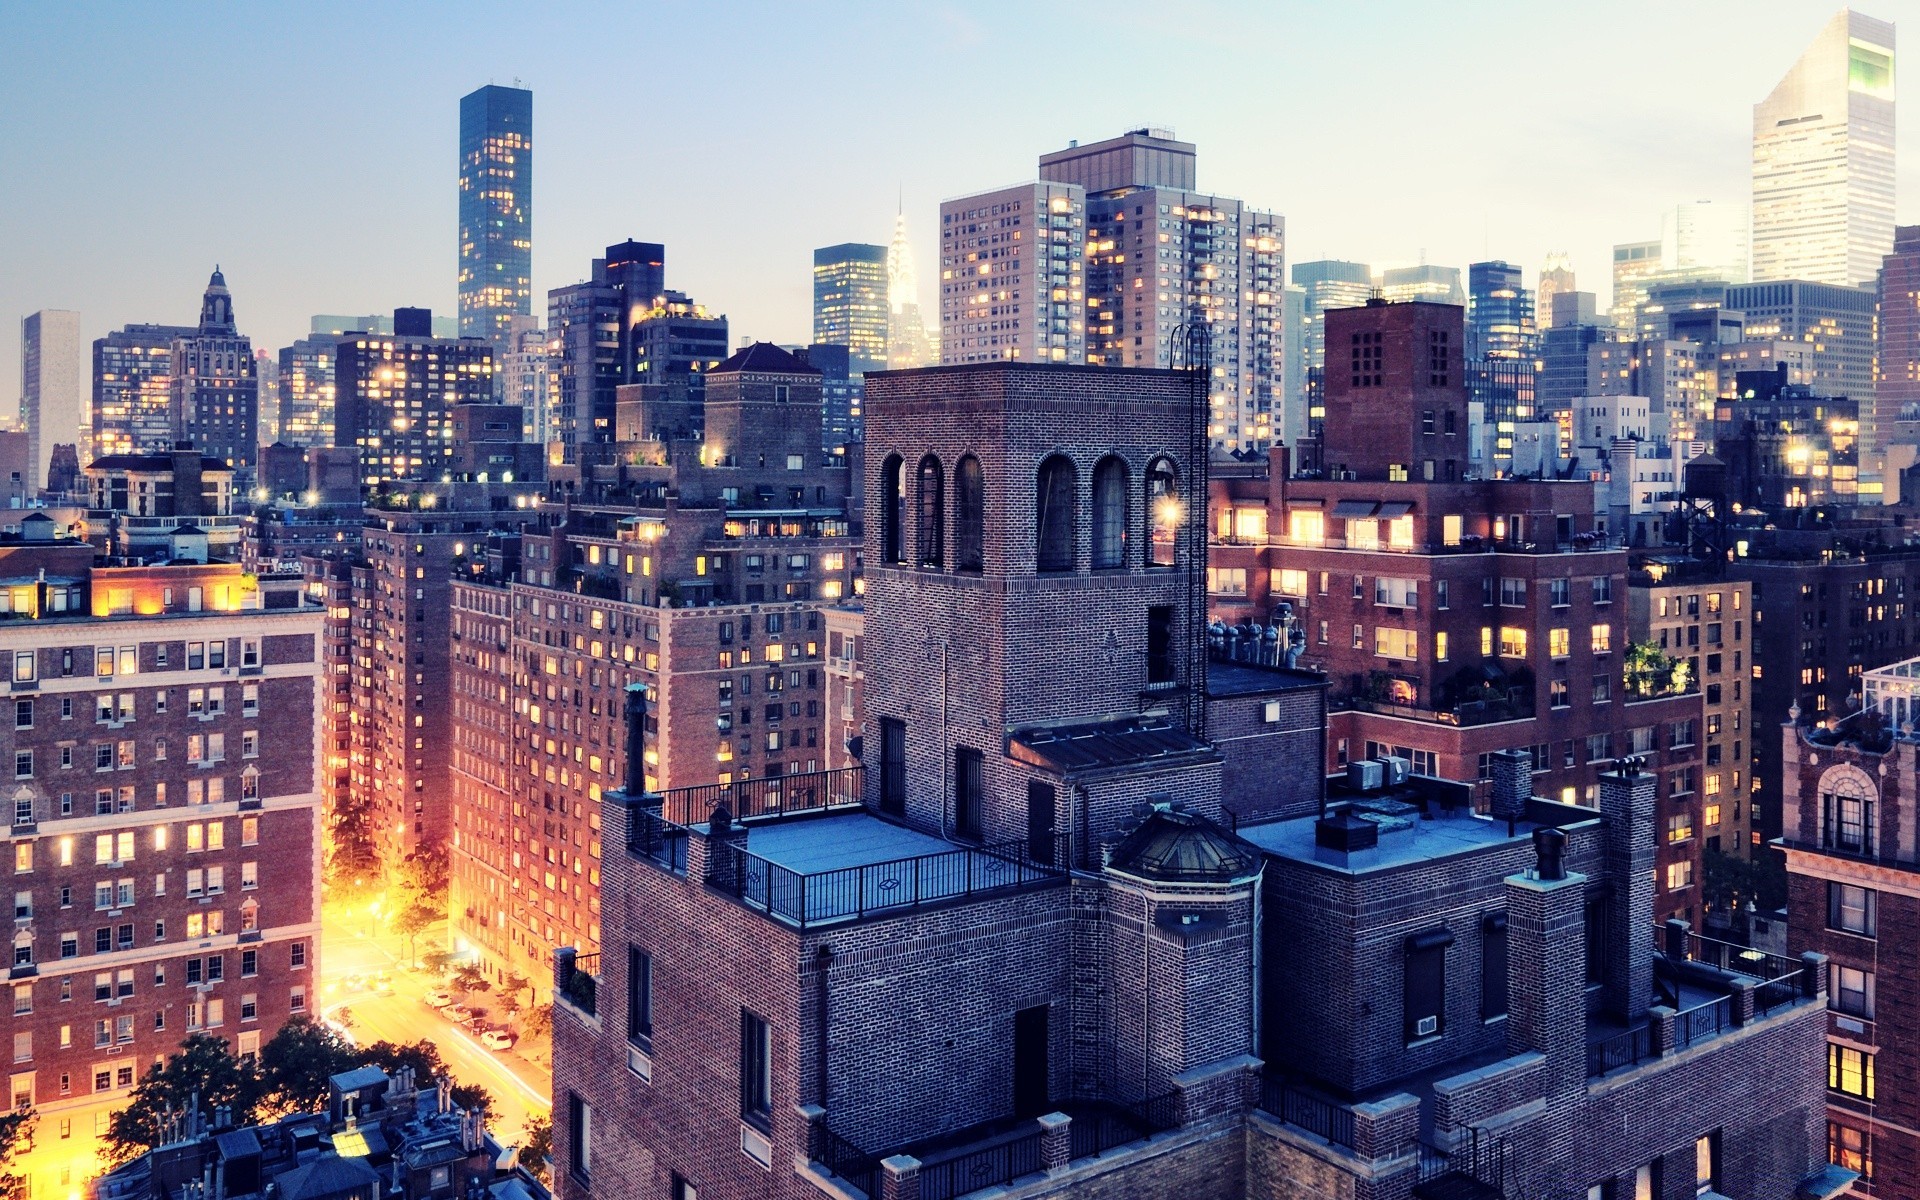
(216, 306)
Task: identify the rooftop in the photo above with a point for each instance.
(857, 839)
(1097, 745)
(1250, 679)
(1406, 835)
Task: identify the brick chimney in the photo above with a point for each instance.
(1547, 964)
(1512, 784)
(1628, 804)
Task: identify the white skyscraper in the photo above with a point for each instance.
(908, 342)
(1705, 239)
(52, 403)
(1823, 159)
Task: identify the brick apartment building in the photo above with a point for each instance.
(165, 821)
(1036, 956)
(701, 569)
(1851, 861)
(1453, 617)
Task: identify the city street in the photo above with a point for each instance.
(520, 1088)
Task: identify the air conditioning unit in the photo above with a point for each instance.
(1397, 768)
(1366, 775)
(1426, 1027)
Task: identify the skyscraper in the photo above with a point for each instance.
(133, 389)
(1705, 239)
(1499, 312)
(51, 404)
(851, 303)
(306, 389)
(588, 364)
(1329, 283)
(394, 397)
(1835, 323)
(214, 389)
(1823, 159)
(1633, 262)
(1897, 376)
(496, 211)
(996, 304)
(909, 343)
(1439, 285)
(1556, 279)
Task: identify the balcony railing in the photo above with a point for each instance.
(843, 1158)
(1303, 1109)
(1628, 1049)
(1702, 1021)
(1481, 1157)
(580, 987)
(1465, 715)
(849, 893)
(994, 1165)
(775, 795)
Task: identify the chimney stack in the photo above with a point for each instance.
(636, 777)
(1627, 803)
(1547, 965)
(1512, 785)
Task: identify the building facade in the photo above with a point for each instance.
(394, 398)
(591, 327)
(133, 389)
(1500, 312)
(53, 405)
(1013, 275)
(850, 305)
(215, 386)
(496, 212)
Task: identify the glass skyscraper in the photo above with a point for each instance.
(1823, 159)
(850, 302)
(496, 212)
(1499, 312)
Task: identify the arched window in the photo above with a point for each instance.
(1164, 513)
(969, 515)
(930, 529)
(892, 500)
(1110, 512)
(1054, 518)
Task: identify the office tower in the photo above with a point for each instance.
(675, 342)
(1000, 296)
(133, 389)
(266, 369)
(52, 405)
(711, 604)
(1564, 350)
(1438, 285)
(1499, 312)
(214, 391)
(1329, 283)
(395, 395)
(850, 302)
(525, 374)
(1503, 393)
(909, 342)
(1672, 304)
(1705, 239)
(1836, 324)
(1556, 279)
(1173, 273)
(496, 211)
(591, 327)
(307, 389)
(1823, 168)
(1897, 373)
(166, 827)
(1633, 262)
(1290, 423)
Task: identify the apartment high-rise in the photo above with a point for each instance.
(214, 385)
(496, 211)
(1013, 275)
(52, 404)
(850, 302)
(1165, 261)
(394, 397)
(525, 374)
(133, 389)
(1823, 174)
(1500, 321)
(306, 390)
(591, 327)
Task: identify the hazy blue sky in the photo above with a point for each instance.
(310, 150)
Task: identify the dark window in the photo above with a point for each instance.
(1599, 923)
(756, 1071)
(579, 1137)
(1160, 644)
(1054, 516)
(1851, 908)
(930, 534)
(1424, 989)
(968, 791)
(892, 501)
(640, 997)
(1493, 966)
(1163, 513)
(1110, 512)
(893, 765)
(1040, 817)
(969, 515)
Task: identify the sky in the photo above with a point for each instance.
(310, 150)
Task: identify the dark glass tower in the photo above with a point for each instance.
(496, 211)
(1499, 312)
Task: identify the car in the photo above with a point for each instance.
(439, 998)
(381, 983)
(340, 1031)
(353, 983)
(459, 1014)
(496, 1039)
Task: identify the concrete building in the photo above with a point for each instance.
(156, 684)
(1013, 275)
(1836, 324)
(496, 212)
(395, 396)
(1896, 375)
(133, 389)
(151, 506)
(1823, 159)
(591, 327)
(53, 405)
(850, 305)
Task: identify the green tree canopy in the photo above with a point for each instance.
(203, 1071)
(297, 1064)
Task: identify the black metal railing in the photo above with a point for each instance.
(1742, 960)
(849, 893)
(652, 837)
(1627, 1049)
(582, 984)
(844, 1159)
(775, 795)
(994, 1165)
(1480, 1157)
(1702, 1021)
(1282, 1098)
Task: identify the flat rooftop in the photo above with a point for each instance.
(1252, 679)
(1406, 836)
(857, 839)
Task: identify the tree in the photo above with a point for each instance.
(539, 1021)
(204, 1071)
(437, 961)
(297, 1065)
(469, 978)
(412, 921)
(471, 1096)
(1731, 883)
(16, 1139)
(423, 1057)
(509, 1006)
(536, 1146)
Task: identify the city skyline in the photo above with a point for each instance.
(382, 237)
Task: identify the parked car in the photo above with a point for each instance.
(496, 1039)
(459, 1014)
(439, 998)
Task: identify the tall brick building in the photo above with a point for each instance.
(1087, 934)
(698, 569)
(165, 821)
(1849, 841)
